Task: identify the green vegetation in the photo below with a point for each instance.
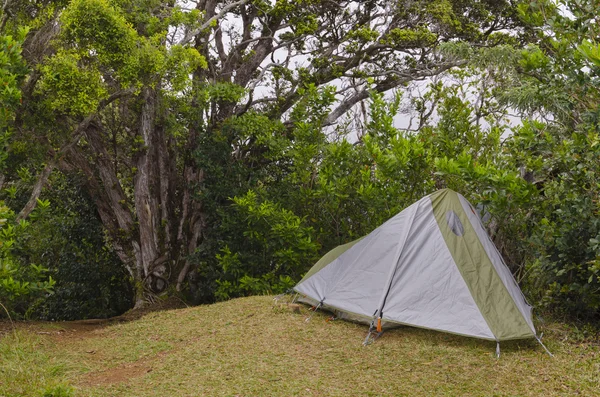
(152, 150)
(69, 242)
(247, 347)
(19, 284)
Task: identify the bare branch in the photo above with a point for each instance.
(219, 43)
(191, 34)
(386, 85)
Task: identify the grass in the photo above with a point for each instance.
(247, 347)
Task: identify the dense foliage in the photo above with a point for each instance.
(561, 151)
(70, 243)
(20, 283)
(217, 151)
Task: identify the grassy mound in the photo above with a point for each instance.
(247, 347)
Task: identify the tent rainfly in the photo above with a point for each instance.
(430, 266)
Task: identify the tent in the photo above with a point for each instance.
(431, 266)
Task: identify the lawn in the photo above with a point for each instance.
(249, 347)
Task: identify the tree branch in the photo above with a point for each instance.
(5, 15)
(386, 85)
(219, 44)
(77, 134)
(37, 190)
(191, 34)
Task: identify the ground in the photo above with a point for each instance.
(253, 347)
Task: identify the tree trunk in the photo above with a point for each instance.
(155, 227)
(145, 189)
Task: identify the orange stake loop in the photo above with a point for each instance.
(379, 324)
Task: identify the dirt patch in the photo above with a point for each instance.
(56, 330)
(80, 328)
(5, 327)
(122, 373)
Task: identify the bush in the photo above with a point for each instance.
(69, 241)
(268, 254)
(20, 284)
(564, 263)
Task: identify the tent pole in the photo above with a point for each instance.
(366, 342)
(394, 266)
(545, 348)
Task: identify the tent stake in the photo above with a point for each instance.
(313, 313)
(497, 349)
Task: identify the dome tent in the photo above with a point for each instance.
(430, 266)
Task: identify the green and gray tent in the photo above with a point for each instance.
(431, 266)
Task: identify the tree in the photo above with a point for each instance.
(140, 97)
(19, 284)
(552, 86)
(558, 87)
